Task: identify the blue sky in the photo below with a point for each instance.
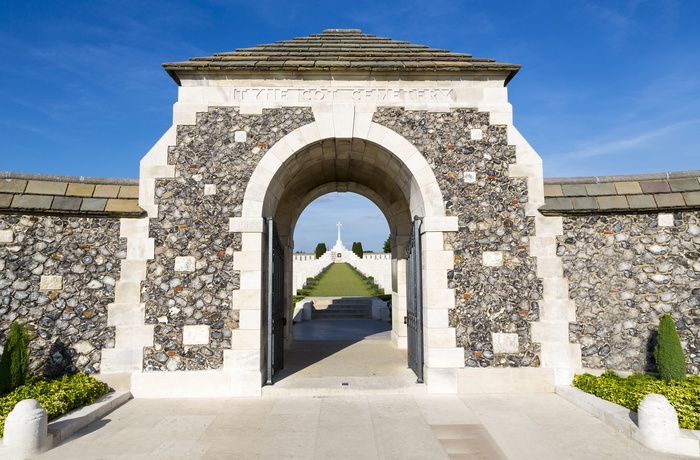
(606, 88)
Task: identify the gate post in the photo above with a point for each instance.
(443, 357)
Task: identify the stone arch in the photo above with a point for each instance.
(383, 166)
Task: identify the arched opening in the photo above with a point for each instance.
(384, 167)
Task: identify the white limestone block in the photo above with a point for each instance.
(209, 189)
(246, 224)
(476, 134)
(665, 220)
(195, 335)
(440, 224)
(26, 429)
(504, 342)
(51, 283)
(240, 136)
(492, 258)
(469, 176)
(6, 236)
(185, 264)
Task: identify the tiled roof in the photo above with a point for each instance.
(340, 49)
(40, 194)
(665, 192)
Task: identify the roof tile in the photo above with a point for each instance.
(350, 49)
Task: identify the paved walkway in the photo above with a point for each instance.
(380, 414)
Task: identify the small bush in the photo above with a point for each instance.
(56, 396)
(629, 392)
(15, 359)
(669, 356)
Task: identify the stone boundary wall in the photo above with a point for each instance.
(631, 252)
(60, 259)
(36, 193)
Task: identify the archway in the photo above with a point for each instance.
(388, 170)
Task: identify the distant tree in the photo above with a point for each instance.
(357, 249)
(387, 244)
(320, 250)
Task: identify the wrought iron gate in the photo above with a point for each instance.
(275, 320)
(414, 300)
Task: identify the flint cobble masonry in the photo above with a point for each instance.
(625, 272)
(473, 177)
(57, 276)
(215, 159)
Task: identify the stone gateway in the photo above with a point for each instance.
(161, 286)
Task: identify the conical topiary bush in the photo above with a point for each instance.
(15, 359)
(669, 356)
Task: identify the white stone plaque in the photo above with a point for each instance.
(492, 259)
(6, 236)
(469, 177)
(504, 342)
(476, 134)
(240, 136)
(665, 220)
(210, 189)
(185, 264)
(51, 283)
(195, 335)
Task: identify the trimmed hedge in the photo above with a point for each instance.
(56, 396)
(628, 392)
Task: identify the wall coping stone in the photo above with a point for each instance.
(633, 194)
(45, 194)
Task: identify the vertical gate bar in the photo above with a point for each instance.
(270, 287)
(418, 266)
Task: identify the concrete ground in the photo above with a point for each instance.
(351, 399)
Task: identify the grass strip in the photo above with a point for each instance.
(341, 280)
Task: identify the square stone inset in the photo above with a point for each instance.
(665, 220)
(492, 258)
(469, 176)
(195, 335)
(51, 283)
(504, 342)
(210, 189)
(476, 134)
(240, 136)
(6, 236)
(185, 264)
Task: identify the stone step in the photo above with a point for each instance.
(335, 385)
(336, 312)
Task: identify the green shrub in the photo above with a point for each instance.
(629, 392)
(669, 356)
(56, 396)
(15, 359)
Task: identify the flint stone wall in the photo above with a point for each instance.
(470, 159)
(57, 276)
(625, 272)
(214, 160)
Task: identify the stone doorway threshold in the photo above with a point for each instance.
(335, 357)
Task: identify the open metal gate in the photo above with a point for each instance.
(414, 300)
(275, 320)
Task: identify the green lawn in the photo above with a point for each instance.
(341, 280)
